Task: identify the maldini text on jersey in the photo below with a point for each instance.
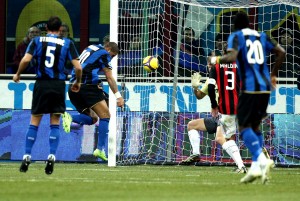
(229, 65)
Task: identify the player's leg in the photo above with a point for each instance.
(82, 101)
(194, 126)
(261, 142)
(250, 110)
(264, 161)
(225, 137)
(246, 115)
(56, 107)
(261, 137)
(30, 140)
(54, 136)
(87, 117)
(102, 111)
(37, 109)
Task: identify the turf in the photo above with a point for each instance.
(88, 182)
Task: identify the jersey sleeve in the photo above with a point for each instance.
(211, 87)
(73, 54)
(105, 60)
(204, 87)
(270, 44)
(233, 42)
(31, 48)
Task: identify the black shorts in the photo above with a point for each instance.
(252, 108)
(211, 124)
(87, 97)
(48, 97)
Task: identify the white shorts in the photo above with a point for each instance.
(228, 125)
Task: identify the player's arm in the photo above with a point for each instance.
(195, 81)
(78, 73)
(211, 88)
(199, 94)
(113, 86)
(73, 57)
(280, 57)
(30, 52)
(22, 66)
(212, 92)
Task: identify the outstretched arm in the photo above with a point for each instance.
(230, 57)
(212, 92)
(113, 86)
(78, 72)
(195, 81)
(280, 57)
(23, 65)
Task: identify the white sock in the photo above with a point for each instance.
(195, 140)
(262, 159)
(26, 156)
(232, 149)
(51, 156)
(255, 166)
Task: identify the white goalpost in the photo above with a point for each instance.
(112, 101)
(152, 127)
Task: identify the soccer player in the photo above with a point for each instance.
(225, 78)
(211, 126)
(249, 49)
(51, 52)
(91, 97)
(202, 124)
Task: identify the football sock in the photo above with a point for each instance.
(252, 143)
(232, 149)
(82, 119)
(262, 158)
(30, 138)
(195, 141)
(260, 138)
(54, 138)
(255, 166)
(102, 132)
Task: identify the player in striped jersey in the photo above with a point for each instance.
(249, 49)
(210, 125)
(91, 98)
(225, 77)
(51, 53)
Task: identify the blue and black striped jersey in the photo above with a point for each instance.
(253, 48)
(93, 59)
(51, 53)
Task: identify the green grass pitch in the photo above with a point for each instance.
(89, 182)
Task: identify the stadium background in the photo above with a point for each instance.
(89, 23)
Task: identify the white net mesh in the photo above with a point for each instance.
(181, 34)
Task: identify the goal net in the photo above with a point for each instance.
(152, 127)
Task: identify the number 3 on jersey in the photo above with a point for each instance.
(255, 52)
(230, 81)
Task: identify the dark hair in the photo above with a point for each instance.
(189, 29)
(241, 21)
(113, 47)
(66, 26)
(54, 23)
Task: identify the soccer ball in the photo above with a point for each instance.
(150, 63)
